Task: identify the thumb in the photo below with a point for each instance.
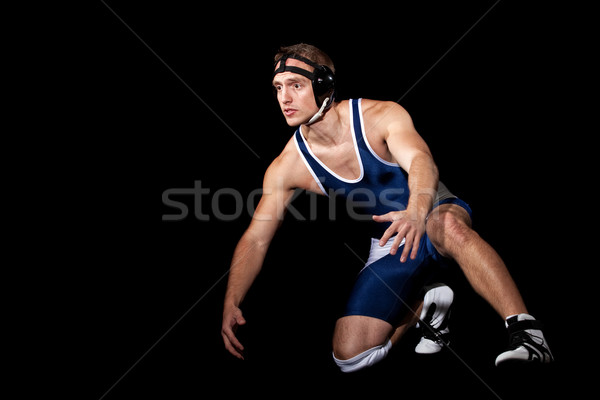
(240, 319)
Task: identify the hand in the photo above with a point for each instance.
(407, 228)
(232, 318)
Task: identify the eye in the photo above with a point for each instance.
(277, 87)
(297, 86)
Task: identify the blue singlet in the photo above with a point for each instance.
(385, 287)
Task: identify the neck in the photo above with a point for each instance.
(327, 129)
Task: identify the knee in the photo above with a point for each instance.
(352, 358)
(360, 341)
(350, 347)
(449, 233)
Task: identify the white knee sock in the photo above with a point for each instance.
(364, 359)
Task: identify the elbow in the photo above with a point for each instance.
(255, 241)
(436, 172)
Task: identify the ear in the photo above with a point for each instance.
(323, 80)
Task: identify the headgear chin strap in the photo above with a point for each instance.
(322, 79)
(320, 112)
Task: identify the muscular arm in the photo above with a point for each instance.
(422, 182)
(413, 155)
(250, 252)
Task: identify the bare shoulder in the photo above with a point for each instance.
(383, 109)
(343, 108)
(386, 117)
(287, 171)
(285, 162)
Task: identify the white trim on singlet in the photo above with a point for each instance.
(364, 134)
(360, 164)
(309, 167)
(377, 252)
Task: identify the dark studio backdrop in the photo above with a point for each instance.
(183, 105)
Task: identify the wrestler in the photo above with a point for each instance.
(370, 152)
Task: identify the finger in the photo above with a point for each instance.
(234, 340)
(387, 235)
(399, 237)
(408, 244)
(233, 350)
(397, 243)
(383, 218)
(415, 247)
(228, 331)
(232, 344)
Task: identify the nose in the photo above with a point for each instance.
(285, 96)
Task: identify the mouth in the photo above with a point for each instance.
(288, 112)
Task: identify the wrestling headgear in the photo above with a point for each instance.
(322, 79)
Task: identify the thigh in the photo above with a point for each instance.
(387, 288)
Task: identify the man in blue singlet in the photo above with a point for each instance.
(370, 152)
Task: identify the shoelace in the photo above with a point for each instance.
(518, 338)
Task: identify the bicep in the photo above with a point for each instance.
(402, 139)
(271, 208)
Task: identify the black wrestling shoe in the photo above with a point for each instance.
(434, 320)
(526, 342)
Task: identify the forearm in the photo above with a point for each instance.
(246, 263)
(422, 183)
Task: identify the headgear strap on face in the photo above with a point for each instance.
(322, 79)
(296, 70)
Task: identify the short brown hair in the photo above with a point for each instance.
(307, 51)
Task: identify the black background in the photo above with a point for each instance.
(163, 95)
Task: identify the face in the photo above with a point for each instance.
(295, 94)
